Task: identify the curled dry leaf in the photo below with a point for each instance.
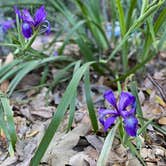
(152, 110)
(162, 121)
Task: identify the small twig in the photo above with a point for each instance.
(156, 84)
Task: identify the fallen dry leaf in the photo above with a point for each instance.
(78, 159)
(162, 121)
(60, 149)
(44, 112)
(95, 141)
(9, 161)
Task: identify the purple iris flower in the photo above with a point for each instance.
(125, 108)
(6, 25)
(32, 23)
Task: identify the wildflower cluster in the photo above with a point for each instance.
(124, 108)
(31, 24)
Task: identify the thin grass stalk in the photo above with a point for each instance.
(135, 25)
(123, 31)
(91, 110)
(104, 154)
(58, 116)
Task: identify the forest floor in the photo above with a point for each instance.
(34, 108)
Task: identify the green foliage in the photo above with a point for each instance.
(107, 146)
(86, 26)
(61, 110)
(7, 123)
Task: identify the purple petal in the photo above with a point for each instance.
(109, 96)
(26, 17)
(130, 125)
(6, 25)
(125, 100)
(17, 11)
(109, 122)
(40, 16)
(45, 27)
(48, 28)
(27, 30)
(102, 114)
(107, 117)
(125, 113)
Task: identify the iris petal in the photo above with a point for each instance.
(125, 113)
(102, 114)
(126, 99)
(26, 17)
(40, 16)
(27, 30)
(17, 11)
(6, 25)
(130, 125)
(109, 122)
(45, 27)
(109, 96)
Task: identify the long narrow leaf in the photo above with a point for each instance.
(89, 102)
(58, 116)
(7, 122)
(107, 146)
(73, 101)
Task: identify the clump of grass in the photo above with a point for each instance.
(140, 30)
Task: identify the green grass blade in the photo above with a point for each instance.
(58, 116)
(157, 127)
(133, 87)
(31, 65)
(5, 68)
(73, 101)
(144, 127)
(63, 73)
(135, 25)
(11, 72)
(162, 40)
(20, 2)
(92, 113)
(160, 20)
(27, 68)
(72, 111)
(130, 13)
(9, 118)
(134, 69)
(107, 146)
(121, 17)
(7, 122)
(135, 152)
(70, 34)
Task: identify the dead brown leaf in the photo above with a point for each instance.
(162, 121)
